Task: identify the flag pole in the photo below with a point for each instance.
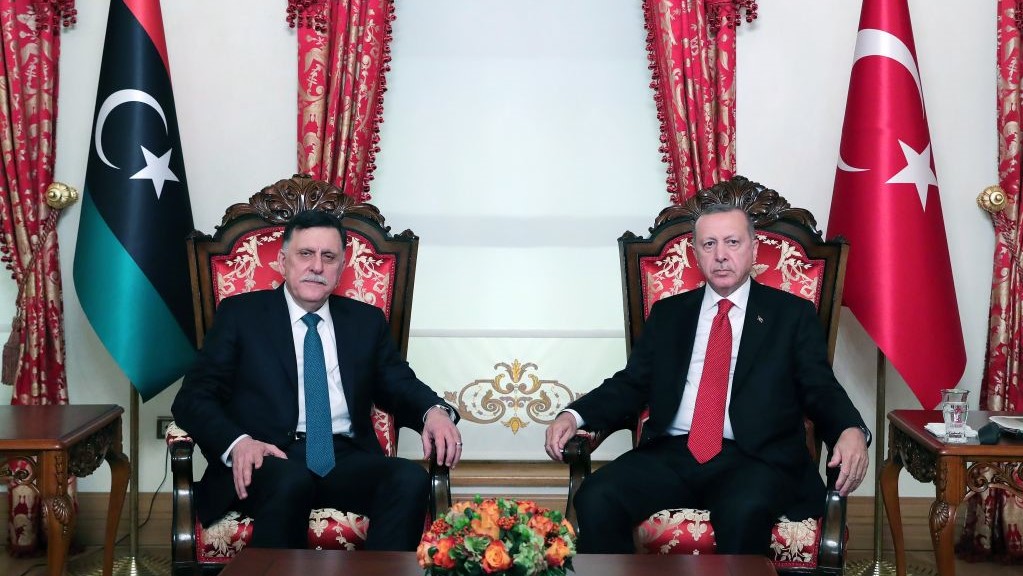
(879, 566)
(135, 563)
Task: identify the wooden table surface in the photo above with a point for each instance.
(263, 562)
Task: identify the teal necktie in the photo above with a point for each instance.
(319, 439)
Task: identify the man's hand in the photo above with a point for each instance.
(440, 432)
(246, 455)
(850, 453)
(558, 433)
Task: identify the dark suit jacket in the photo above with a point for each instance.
(245, 381)
(781, 374)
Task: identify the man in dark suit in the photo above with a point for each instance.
(728, 371)
(279, 402)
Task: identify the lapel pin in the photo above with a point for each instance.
(760, 319)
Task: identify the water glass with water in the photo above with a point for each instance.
(955, 410)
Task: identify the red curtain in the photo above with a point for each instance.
(34, 356)
(691, 48)
(28, 238)
(343, 53)
(994, 518)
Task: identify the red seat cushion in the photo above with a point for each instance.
(689, 531)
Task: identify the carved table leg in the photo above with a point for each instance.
(949, 487)
(57, 506)
(890, 494)
(120, 470)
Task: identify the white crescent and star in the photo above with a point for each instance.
(157, 168)
(871, 42)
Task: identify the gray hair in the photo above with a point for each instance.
(719, 208)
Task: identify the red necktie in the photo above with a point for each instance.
(709, 416)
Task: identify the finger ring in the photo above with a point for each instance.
(458, 443)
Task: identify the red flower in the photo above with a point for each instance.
(442, 556)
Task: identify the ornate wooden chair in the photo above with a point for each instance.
(241, 257)
(793, 257)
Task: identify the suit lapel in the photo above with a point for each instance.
(756, 327)
(688, 318)
(347, 342)
(283, 338)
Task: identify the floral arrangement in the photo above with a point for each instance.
(500, 537)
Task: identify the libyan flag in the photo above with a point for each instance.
(131, 267)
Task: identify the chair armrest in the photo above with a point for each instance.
(576, 454)
(440, 488)
(183, 553)
(831, 555)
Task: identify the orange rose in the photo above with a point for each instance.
(460, 507)
(442, 556)
(542, 525)
(496, 558)
(556, 552)
(527, 507)
(486, 525)
(489, 509)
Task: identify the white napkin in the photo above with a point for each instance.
(938, 429)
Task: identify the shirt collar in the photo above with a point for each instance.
(296, 312)
(739, 298)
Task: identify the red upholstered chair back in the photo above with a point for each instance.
(792, 257)
(242, 257)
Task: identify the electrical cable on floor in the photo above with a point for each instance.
(149, 514)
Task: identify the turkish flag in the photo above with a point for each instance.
(886, 204)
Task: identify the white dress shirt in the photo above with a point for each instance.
(341, 420)
(708, 309)
(737, 318)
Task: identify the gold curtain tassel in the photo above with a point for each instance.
(11, 356)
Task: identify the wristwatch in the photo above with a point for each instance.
(443, 407)
(866, 434)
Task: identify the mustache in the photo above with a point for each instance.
(311, 277)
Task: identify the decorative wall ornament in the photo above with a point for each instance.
(515, 389)
(992, 199)
(60, 195)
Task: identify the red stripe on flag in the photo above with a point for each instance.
(148, 13)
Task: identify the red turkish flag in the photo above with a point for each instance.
(886, 204)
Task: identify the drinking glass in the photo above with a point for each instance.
(955, 411)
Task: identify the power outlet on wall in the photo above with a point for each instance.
(162, 424)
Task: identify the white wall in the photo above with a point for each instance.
(520, 142)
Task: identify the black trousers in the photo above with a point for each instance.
(744, 496)
(392, 492)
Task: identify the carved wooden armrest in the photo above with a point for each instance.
(440, 488)
(831, 557)
(182, 499)
(577, 455)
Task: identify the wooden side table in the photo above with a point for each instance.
(955, 469)
(66, 440)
